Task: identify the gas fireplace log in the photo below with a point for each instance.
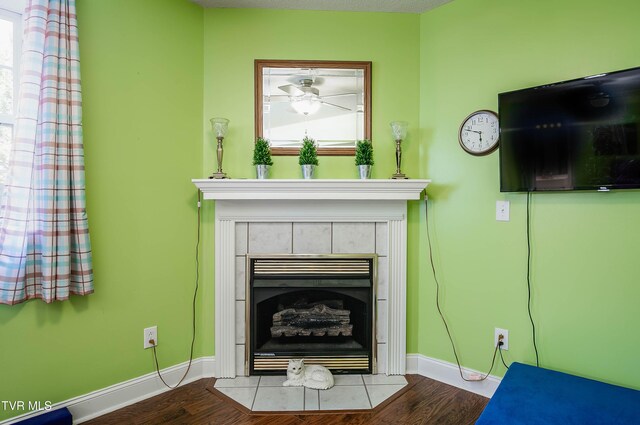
(319, 316)
(288, 331)
(311, 320)
(318, 320)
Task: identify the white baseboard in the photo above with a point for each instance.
(449, 374)
(100, 402)
(120, 395)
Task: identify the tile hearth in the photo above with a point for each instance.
(351, 392)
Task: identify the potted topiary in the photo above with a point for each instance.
(262, 158)
(364, 158)
(308, 158)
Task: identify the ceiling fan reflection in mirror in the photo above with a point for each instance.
(306, 99)
(329, 101)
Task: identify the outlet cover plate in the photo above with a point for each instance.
(505, 340)
(150, 333)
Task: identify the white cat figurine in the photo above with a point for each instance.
(312, 376)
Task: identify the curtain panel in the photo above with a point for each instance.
(45, 250)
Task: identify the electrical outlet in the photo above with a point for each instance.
(150, 334)
(505, 338)
(502, 210)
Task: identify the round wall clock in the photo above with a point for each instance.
(479, 133)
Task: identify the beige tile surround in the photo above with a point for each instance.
(312, 238)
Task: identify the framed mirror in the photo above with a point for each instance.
(328, 101)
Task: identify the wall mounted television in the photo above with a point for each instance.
(582, 134)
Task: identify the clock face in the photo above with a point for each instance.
(479, 133)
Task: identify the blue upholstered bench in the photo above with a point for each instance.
(54, 417)
(531, 395)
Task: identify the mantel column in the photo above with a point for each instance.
(225, 338)
(397, 304)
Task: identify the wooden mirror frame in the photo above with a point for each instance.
(260, 64)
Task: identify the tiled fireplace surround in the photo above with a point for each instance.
(310, 217)
(312, 238)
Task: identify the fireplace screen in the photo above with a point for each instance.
(321, 309)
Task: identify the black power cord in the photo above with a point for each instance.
(533, 325)
(195, 295)
(502, 358)
(446, 326)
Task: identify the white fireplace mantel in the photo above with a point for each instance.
(321, 189)
(268, 201)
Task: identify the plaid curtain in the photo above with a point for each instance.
(44, 235)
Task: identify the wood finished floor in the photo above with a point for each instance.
(425, 402)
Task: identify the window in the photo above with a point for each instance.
(10, 48)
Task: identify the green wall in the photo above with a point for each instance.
(142, 93)
(585, 245)
(234, 38)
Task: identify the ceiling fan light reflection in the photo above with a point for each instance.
(306, 104)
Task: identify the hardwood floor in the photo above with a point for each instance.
(425, 402)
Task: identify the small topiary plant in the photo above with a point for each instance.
(364, 152)
(262, 152)
(308, 152)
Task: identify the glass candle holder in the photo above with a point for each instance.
(220, 127)
(399, 132)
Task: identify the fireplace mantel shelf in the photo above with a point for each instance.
(320, 189)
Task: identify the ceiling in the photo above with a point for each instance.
(403, 6)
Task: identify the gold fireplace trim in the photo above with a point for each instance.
(355, 260)
(347, 266)
(281, 362)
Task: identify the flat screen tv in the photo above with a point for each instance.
(582, 134)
